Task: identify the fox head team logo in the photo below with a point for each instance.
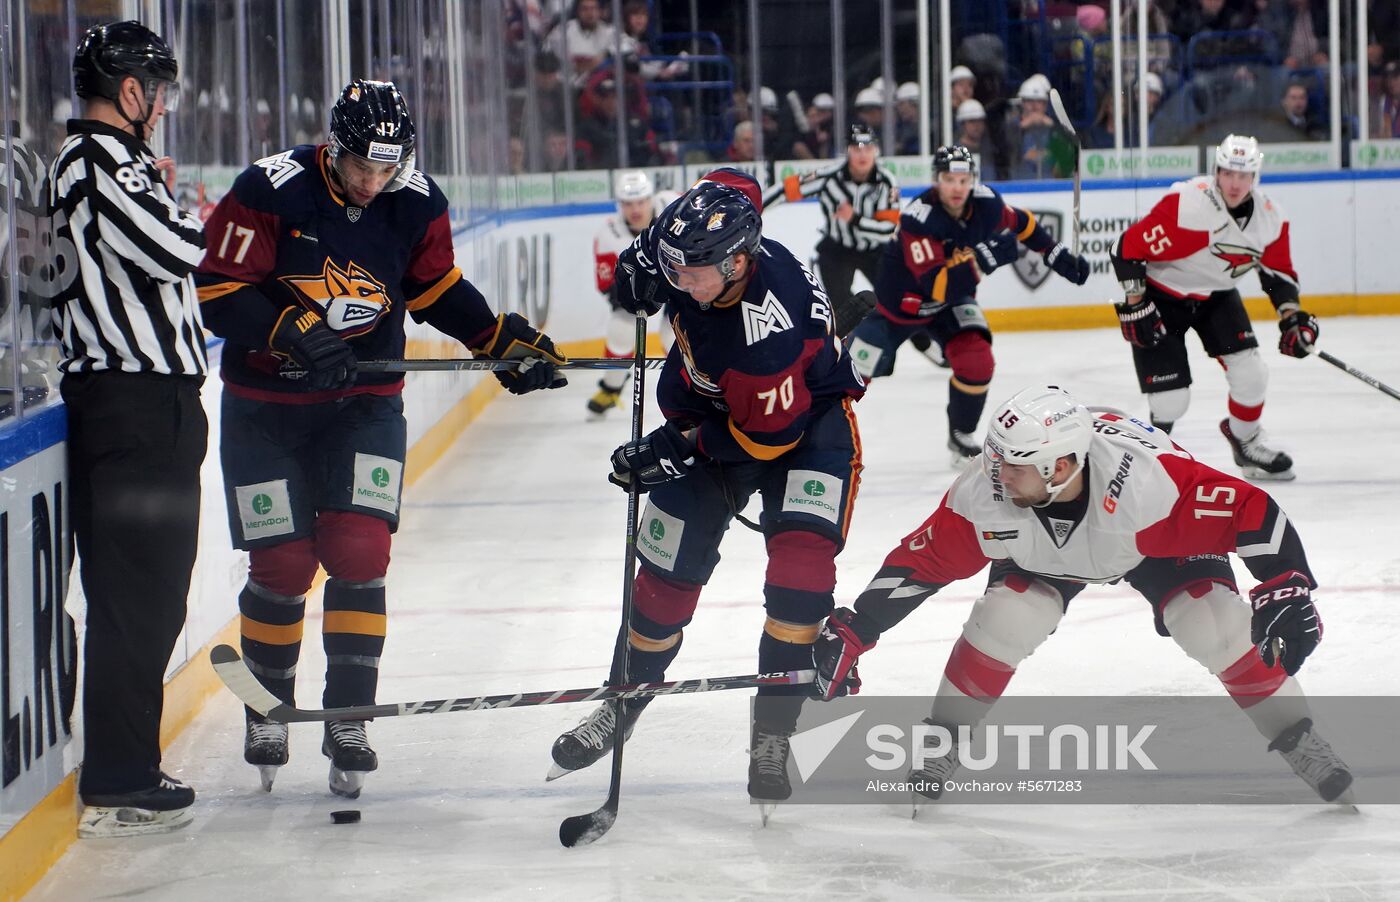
(1030, 266)
(351, 299)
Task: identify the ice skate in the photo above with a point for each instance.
(929, 348)
(265, 747)
(1256, 459)
(928, 780)
(591, 739)
(351, 756)
(160, 809)
(1313, 760)
(603, 400)
(768, 777)
(964, 449)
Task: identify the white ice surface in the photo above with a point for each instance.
(506, 576)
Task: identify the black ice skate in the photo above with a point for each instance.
(1313, 759)
(768, 777)
(927, 781)
(351, 757)
(160, 809)
(591, 739)
(603, 400)
(1256, 459)
(265, 747)
(964, 448)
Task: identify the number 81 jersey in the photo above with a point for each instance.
(1145, 498)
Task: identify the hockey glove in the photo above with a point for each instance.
(1283, 611)
(638, 291)
(658, 458)
(997, 250)
(834, 655)
(1142, 324)
(1297, 333)
(1068, 266)
(850, 312)
(514, 338)
(303, 336)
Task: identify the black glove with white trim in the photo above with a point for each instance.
(1141, 322)
(1286, 627)
(998, 250)
(1067, 265)
(658, 458)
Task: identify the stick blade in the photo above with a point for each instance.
(1058, 106)
(241, 682)
(582, 829)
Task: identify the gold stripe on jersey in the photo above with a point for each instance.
(213, 292)
(430, 296)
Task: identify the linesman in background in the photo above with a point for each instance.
(860, 206)
(133, 363)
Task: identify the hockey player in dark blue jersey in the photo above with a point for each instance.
(757, 392)
(951, 236)
(314, 258)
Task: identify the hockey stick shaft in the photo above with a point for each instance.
(453, 364)
(1364, 377)
(240, 680)
(1063, 117)
(585, 828)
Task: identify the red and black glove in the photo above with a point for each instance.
(1141, 322)
(835, 653)
(1297, 333)
(1284, 614)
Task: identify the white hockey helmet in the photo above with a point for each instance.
(1037, 427)
(959, 73)
(632, 184)
(869, 97)
(1037, 87)
(1239, 153)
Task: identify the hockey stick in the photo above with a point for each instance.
(1063, 118)
(1353, 371)
(452, 364)
(581, 829)
(240, 680)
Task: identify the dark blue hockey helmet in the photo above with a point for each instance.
(708, 226)
(371, 121)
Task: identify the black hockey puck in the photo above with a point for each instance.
(350, 816)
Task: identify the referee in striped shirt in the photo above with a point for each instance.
(133, 363)
(860, 203)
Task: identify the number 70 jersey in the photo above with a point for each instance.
(1146, 498)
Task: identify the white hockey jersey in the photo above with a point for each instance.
(1145, 498)
(613, 237)
(1194, 247)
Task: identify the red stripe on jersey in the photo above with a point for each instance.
(1249, 682)
(241, 243)
(977, 674)
(1277, 257)
(434, 255)
(1210, 512)
(1159, 235)
(942, 550)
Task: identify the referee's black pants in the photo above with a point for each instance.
(837, 265)
(135, 445)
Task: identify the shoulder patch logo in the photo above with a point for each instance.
(417, 182)
(764, 319)
(280, 168)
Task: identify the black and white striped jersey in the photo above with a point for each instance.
(874, 203)
(131, 303)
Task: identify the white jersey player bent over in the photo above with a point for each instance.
(1064, 498)
(1179, 266)
(638, 203)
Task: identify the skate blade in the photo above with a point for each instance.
(267, 773)
(101, 822)
(1266, 476)
(555, 772)
(765, 811)
(347, 783)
